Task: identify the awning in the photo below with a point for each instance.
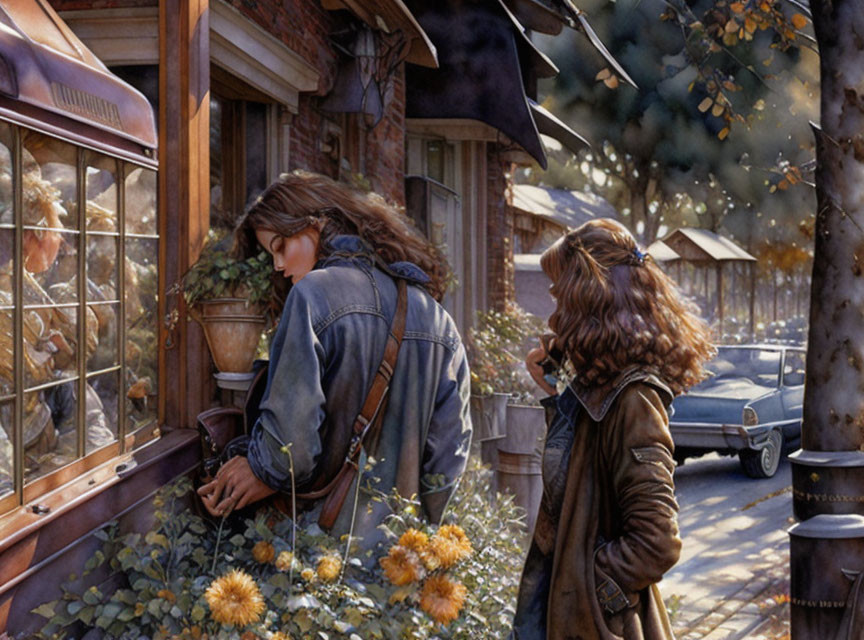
(550, 125)
(388, 15)
(479, 77)
(701, 245)
(567, 208)
(46, 72)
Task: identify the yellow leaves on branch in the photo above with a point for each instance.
(799, 21)
(608, 78)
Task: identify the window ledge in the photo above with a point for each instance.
(28, 539)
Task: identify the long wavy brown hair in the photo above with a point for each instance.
(302, 199)
(617, 309)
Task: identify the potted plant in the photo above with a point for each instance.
(509, 422)
(228, 297)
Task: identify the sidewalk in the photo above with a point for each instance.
(758, 610)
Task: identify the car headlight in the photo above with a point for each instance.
(749, 418)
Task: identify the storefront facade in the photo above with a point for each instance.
(98, 222)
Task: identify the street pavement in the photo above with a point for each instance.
(736, 549)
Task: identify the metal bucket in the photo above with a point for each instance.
(489, 416)
(822, 574)
(520, 457)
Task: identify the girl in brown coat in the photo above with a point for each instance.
(607, 529)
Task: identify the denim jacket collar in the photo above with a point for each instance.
(350, 246)
(598, 399)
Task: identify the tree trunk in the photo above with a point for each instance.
(827, 486)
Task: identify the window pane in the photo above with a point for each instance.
(101, 193)
(7, 453)
(103, 319)
(7, 215)
(101, 267)
(50, 434)
(7, 353)
(101, 424)
(50, 183)
(50, 341)
(51, 267)
(142, 332)
(141, 202)
(7, 266)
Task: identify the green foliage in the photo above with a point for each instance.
(167, 571)
(218, 274)
(499, 342)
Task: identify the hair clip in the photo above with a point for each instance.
(639, 256)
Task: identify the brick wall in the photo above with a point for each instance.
(499, 230)
(304, 26)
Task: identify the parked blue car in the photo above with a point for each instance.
(750, 406)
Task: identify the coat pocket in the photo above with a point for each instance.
(654, 454)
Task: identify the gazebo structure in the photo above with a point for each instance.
(707, 250)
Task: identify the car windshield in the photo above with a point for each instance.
(761, 366)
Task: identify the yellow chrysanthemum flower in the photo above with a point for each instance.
(280, 635)
(450, 545)
(402, 566)
(235, 599)
(263, 552)
(329, 568)
(284, 560)
(442, 599)
(414, 540)
(308, 574)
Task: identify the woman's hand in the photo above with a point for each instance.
(532, 364)
(234, 487)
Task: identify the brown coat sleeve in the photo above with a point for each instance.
(637, 448)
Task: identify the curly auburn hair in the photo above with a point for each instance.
(615, 308)
(301, 199)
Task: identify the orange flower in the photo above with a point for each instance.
(442, 599)
(402, 566)
(284, 560)
(235, 599)
(414, 540)
(450, 545)
(329, 568)
(263, 552)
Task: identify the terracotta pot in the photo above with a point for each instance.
(233, 330)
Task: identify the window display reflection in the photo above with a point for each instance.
(101, 411)
(7, 451)
(142, 331)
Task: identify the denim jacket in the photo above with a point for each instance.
(325, 352)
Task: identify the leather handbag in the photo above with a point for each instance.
(219, 426)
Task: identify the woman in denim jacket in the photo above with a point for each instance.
(340, 250)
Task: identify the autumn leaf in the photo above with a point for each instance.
(705, 104)
(603, 74)
(799, 21)
(723, 133)
(611, 82)
(783, 185)
(750, 25)
(737, 7)
(765, 7)
(759, 105)
(718, 110)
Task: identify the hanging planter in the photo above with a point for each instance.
(228, 297)
(233, 330)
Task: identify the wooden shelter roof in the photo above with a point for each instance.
(703, 246)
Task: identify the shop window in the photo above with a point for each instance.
(78, 304)
(238, 147)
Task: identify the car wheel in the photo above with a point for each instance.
(764, 462)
